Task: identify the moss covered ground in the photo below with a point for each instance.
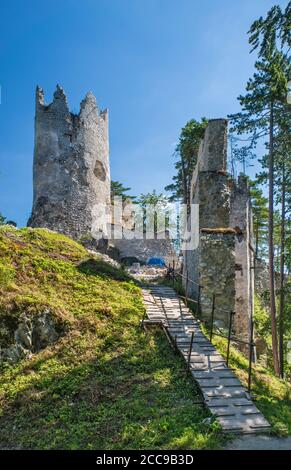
(104, 384)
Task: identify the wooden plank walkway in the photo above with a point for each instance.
(223, 393)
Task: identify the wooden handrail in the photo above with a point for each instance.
(229, 337)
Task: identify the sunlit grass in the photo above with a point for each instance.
(104, 384)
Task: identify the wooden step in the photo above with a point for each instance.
(222, 391)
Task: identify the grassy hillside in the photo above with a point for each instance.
(104, 384)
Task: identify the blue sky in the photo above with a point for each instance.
(154, 63)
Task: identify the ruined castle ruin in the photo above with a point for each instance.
(71, 195)
(71, 175)
(71, 179)
(222, 259)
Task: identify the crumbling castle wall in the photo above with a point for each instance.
(221, 260)
(216, 273)
(241, 220)
(134, 244)
(71, 175)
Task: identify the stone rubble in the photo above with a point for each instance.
(32, 333)
(147, 273)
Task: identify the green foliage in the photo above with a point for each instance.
(105, 384)
(268, 86)
(287, 328)
(7, 273)
(265, 33)
(186, 153)
(153, 198)
(118, 190)
(280, 429)
(263, 328)
(260, 219)
(282, 185)
(2, 219)
(265, 114)
(154, 209)
(262, 321)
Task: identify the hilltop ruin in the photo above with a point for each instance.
(222, 260)
(71, 174)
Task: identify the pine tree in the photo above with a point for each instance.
(263, 106)
(118, 190)
(260, 218)
(186, 153)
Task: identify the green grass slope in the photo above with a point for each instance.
(104, 384)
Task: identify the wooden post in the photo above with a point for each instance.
(251, 345)
(186, 290)
(199, 301)
(173, 272)
(229, 336)
(190, 352)
(212, 316)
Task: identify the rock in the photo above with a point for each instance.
(13, 354)
(43, 332)
(33, 333)
(148, 273)
(106, 258)
(207, 421)
(23, 334)
(135, 268)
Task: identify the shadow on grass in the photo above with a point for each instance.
(137, 397)
(93, 267)
(100, 268)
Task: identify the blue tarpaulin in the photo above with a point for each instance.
(156, 262)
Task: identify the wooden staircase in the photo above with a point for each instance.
(222, 391)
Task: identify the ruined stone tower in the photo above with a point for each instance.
(221, 260)
(71, 176)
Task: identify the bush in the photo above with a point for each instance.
(2, 219)
(7, 273)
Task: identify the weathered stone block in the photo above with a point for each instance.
(217, 274)
(214, 200)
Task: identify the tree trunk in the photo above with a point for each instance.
(184, 181)
(271, 245)
(257, 240)
(282, 276)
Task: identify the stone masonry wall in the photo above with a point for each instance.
(71, 176)
(144, 248)
(241, 219)
(222, 261)
(214, 200)
(216, 265)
